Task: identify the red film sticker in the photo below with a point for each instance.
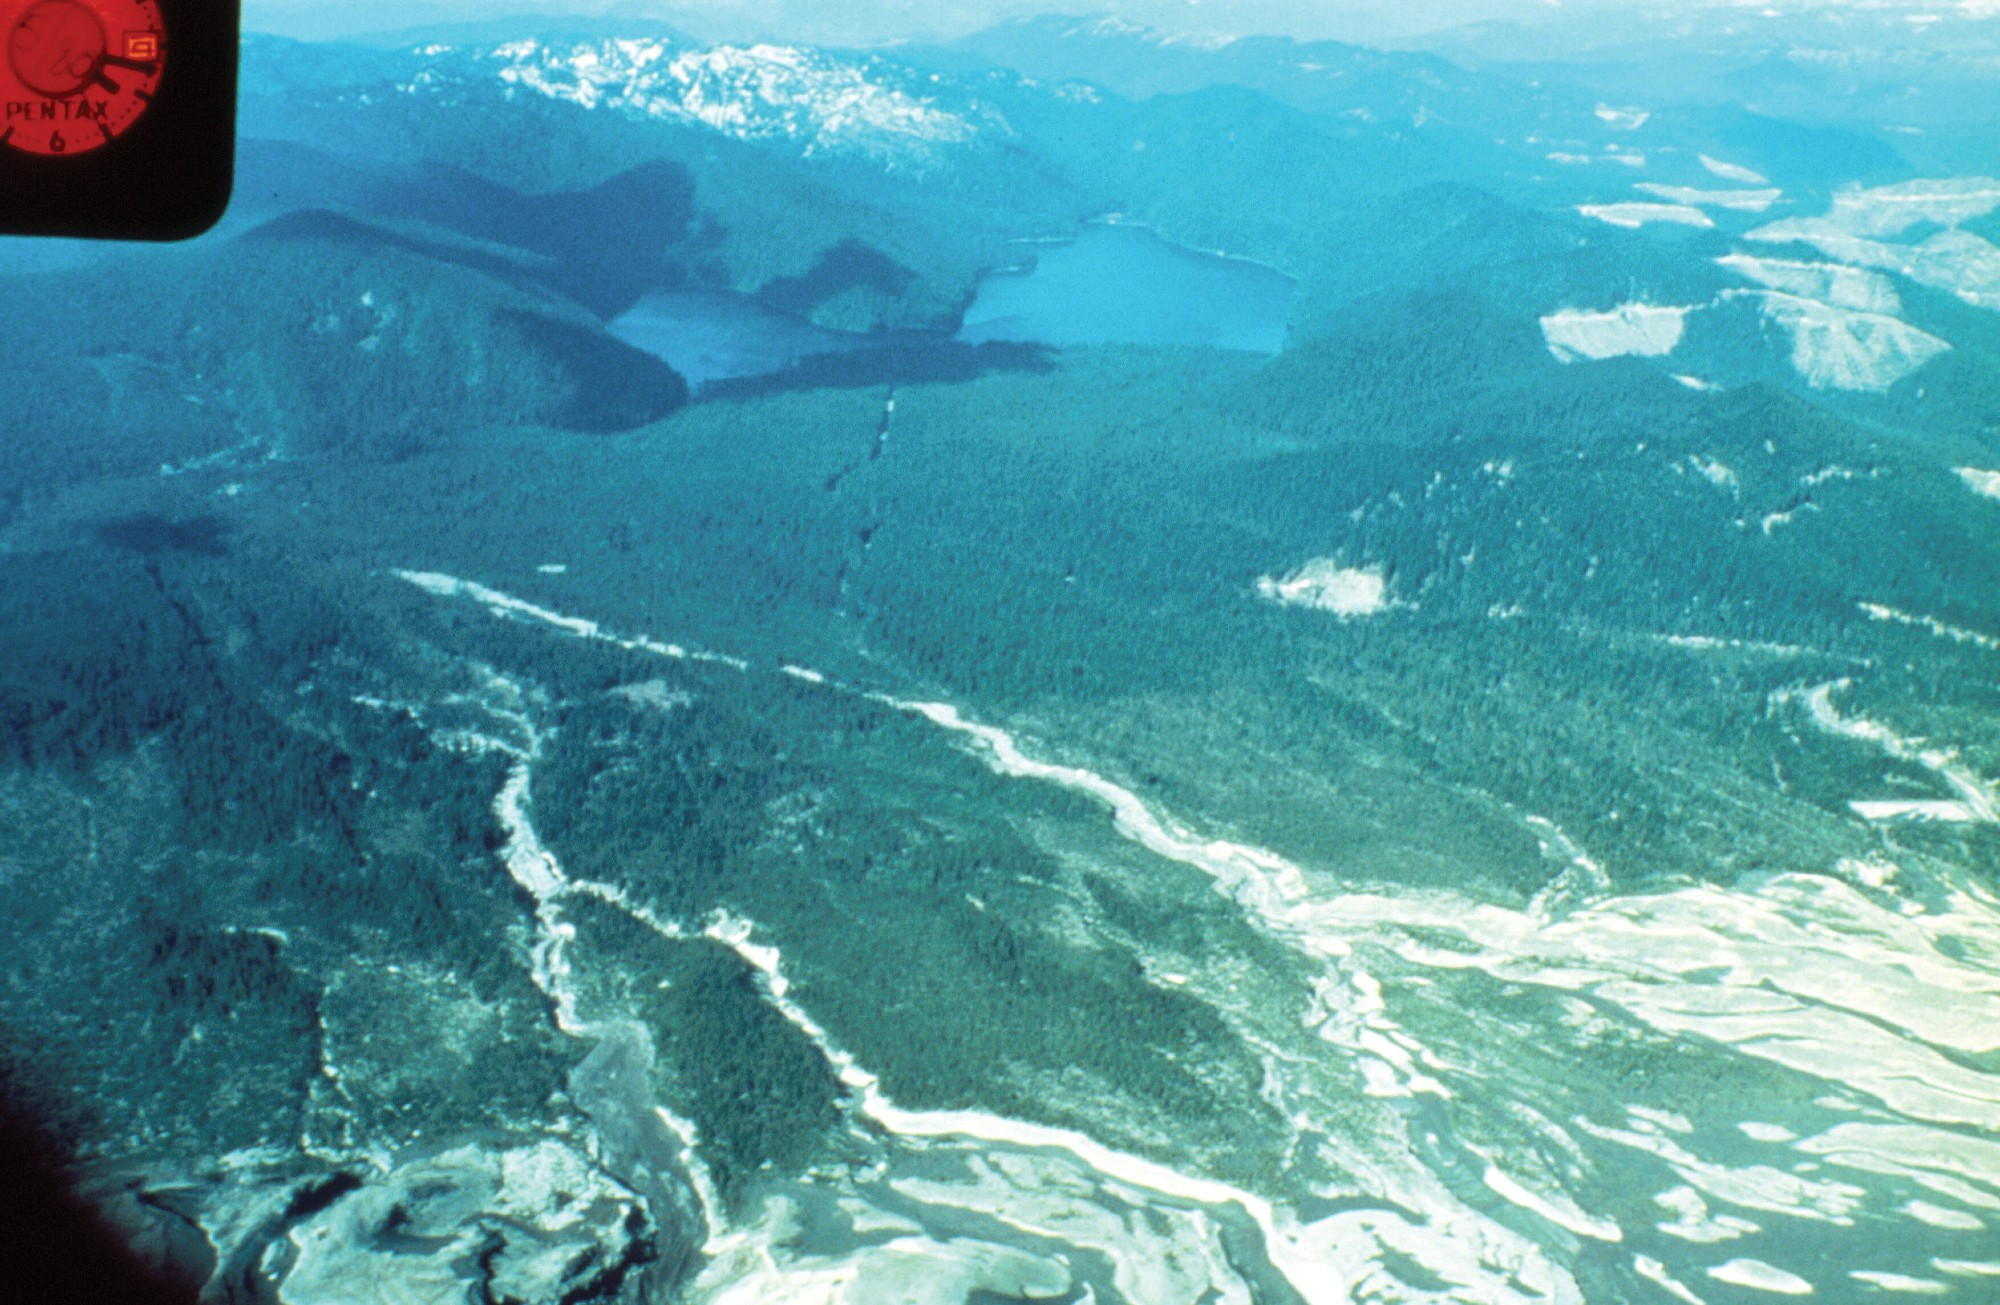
(76, 74)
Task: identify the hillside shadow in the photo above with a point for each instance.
(613, 386)
(150, 535)
(602, 246)
(850, 265)
(607, 244)
(900, 360)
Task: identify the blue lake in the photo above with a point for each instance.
(709, 335)
(1125, 284)
(1111, 285)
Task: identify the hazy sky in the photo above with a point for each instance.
(883, 20)
(878, 21)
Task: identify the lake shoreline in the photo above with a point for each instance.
(1113, 282)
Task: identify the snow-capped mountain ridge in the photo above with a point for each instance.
(817, 101)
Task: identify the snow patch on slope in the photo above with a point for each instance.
(1977, 799)
(1845, 323)
(1955, 633)
(1326, 586)
(1694, 1223)
(1983, 483)
(1651, 1269)
(1843, 317)
(1719, 474)
(1559, 1211)
(1860, 228)
(1734, 172)
(914, 1269)
(1626, 159)
(1938, 1216)
(1759, 1276)
(1833, 284)
(1900, 1281)
(1746, 201)
(1921, 811)
(1957, 262)
(1892, 210)
(1629, 330)
(1847, 349)
(1633, 215)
